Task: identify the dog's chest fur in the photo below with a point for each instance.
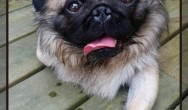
(104, 81)
(101, 82)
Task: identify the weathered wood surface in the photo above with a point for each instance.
(44, 92)
(97, 103)
(173, 10)
(184, 67)
(18, 4)
(2, 31)
(169, 57)
(185, 57)
(2, 69)
(2, 7)
(185, 12)
(2, 53)
(21, 23)
(13, 5)
(22, 59)
(3, 101)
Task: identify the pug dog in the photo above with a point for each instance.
(103, 45)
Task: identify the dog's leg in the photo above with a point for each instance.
(143, 89)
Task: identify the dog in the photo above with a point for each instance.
(103, 45)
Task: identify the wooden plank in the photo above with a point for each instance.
(2, 7)
(21, 23)
(17, 4)
(2, 69)
(164, 99)
(173, 9)
(2, 50)
(185, 56)
(3, 101)
(2, 31)
(185, 12)
(169, 58)
(44, 92)
(97, 103)
(13, 5)
(22, 59)
(185, 65)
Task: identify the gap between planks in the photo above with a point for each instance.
(18, 38)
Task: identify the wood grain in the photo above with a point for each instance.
(22, 59)
(21, 23)
(44, 92)
(3, 101)
(169, 57)
(185, 56)
(17, 4)
(2, 69)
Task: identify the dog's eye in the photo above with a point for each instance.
(127, 1)
(74, 7)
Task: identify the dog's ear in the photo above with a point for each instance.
(38, 4)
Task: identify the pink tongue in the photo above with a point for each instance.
(106, 41)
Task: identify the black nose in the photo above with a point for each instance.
(102, 14)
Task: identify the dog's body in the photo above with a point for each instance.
(134, 60)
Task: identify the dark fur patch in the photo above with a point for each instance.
(38, 4)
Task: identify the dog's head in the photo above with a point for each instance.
(101, 28)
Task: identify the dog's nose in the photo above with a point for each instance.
(102, 14)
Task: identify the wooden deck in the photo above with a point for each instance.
(34, 86)
(2, 54)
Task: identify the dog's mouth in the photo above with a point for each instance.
(106, 46)
(104, 42)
